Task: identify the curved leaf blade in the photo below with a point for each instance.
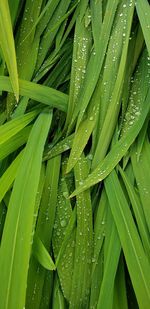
(117, 152)
(42, 255)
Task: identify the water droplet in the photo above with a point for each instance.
(81, 183)
(91, 118)
(65, 194)
(63, 223)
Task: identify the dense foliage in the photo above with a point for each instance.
(74, 154)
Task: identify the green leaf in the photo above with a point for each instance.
(84, 131)
(17, 234)
(84, 242)
(33, 297)
(40, 93)
(15, 142)
(2, 117)
(59, 148)
(41, 254)
(139, 91)
(81, 52)
(99, 227)
(96, 18)
(68, 231)
(13, 7)
(117, 152)
(136, 260)
(44, 227)
(110, 266)
(79, 142)
(58, 299)
(143, 11)
(9, 176)
(142, 176)
(138, 212)
(58, 8)
(12, 127)
(120, 290)
(96, 281)
(62, 220)
(96, 60)
(112, 92)
(8, 46)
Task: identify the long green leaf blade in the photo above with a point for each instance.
(8, 46)
(84, 243)
(137, 262)
(40, 93)
(17, 235)
(12, 127)
(117, 152)
(143, 11)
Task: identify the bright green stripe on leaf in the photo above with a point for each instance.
(12, 127)
(8, 46)
(40, 93)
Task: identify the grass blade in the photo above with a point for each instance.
(111, 111)
(44, 227)
(120, 296)
(110, 268)
(59, 148)
(18, 224)
(142, 177)
(15, 142)
(96, 60)
(117, 152)
(12, 127)
(81, 53)
(41, 254)
(40, 93)
(62, 219)
(143, 11)
(138, 211)
(84, 243)
(9, 176)
(137, 262)
(8, 46)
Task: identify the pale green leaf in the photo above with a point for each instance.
(8, 46)
(41, 254)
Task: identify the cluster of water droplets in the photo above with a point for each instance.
(59, 148)
(63, 215)
(80, 63)
(113, 57)
(140, 84)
